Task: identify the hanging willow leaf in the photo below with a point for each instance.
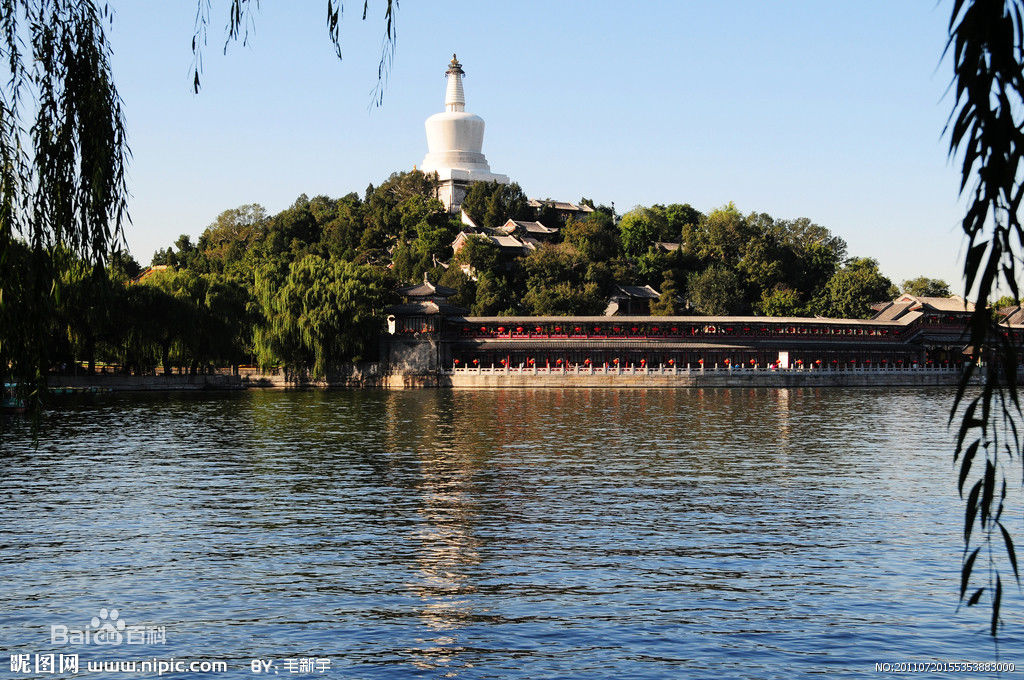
(986, 128)
(240, 23)
(966, 570)
(63, 152)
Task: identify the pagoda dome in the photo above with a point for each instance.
(454, 137)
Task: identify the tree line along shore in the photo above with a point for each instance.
(305, 289)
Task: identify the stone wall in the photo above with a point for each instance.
(485, 379)
(147, 383)
(375, 375)
(352, 377)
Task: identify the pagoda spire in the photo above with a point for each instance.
(454, 97)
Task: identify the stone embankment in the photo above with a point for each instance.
(145, 383)
(364, 375)
(471, 378)
(375, 376)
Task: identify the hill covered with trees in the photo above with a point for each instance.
(306, 288)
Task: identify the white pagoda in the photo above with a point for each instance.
(454, 142)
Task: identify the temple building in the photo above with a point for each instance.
(454, 142)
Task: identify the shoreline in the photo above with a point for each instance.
(498, 378)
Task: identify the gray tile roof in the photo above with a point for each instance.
(559, 205)
(643, 292)
(426, 289)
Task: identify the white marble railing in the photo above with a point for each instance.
(700, 370)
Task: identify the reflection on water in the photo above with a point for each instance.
(498, 534)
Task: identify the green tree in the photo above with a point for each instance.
(83, 307)
(481, 254)
(596, 237)
(393, 209)
(494, 296)
(922, 286)
(1005, 301)
(62, 177)
(319, 313)
(812, 254)
(715, 291)
(490, 204)
(780, 302)
(677, 218)
(668, 303)
(850, 293)
(639, 228)
(719, 238)
(556, 283)
(342, 233)
(465, 287)
(232, 234)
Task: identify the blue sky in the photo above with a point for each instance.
(826, 110)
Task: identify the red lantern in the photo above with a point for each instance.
(577, 329)
(501, 329)
(700, 361)
(671, 362)
(519, 329)
(558, 361)
(818, 362)
(753, 361)
(456, 362)
(616, 361)
(476, 361)
(558, 329)
(643, 362)
(504, 361)
(483, 329)
(538, 329)
(587, 361)
(727, 362)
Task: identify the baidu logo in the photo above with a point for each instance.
(107, 628)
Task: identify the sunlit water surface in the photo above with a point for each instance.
(497, 534)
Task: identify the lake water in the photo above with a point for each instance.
(768, 533)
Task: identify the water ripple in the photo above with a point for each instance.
(507, 534)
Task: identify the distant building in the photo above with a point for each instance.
(510, 246)
(1011, 316)
(631, 301)
(454, 142)
(955, 307)
(923, 332)
(150, 271)
(562, 209)
(532, 230)
(422, 306)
